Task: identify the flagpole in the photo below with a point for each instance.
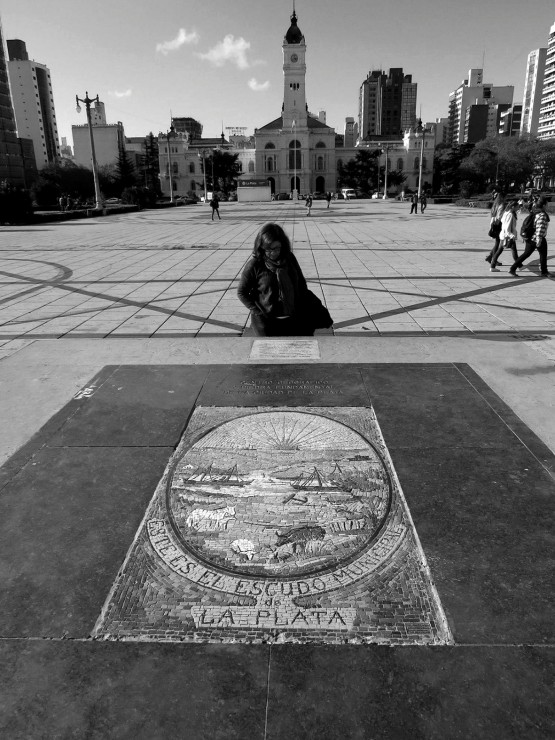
(293, 129)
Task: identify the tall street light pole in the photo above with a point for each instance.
(202, 155)
(386, 149)
(87, 101)
(420, 165)
(170, 135)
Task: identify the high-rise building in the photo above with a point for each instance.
(510, 121)
(474, 92)
(33, 101)
(532, 95)
(188, 126)
(387, 104)
(11, 160)
(546, 123)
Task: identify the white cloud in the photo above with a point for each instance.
(124, 94)
(257, 86)
(182, 38)
(229, 50)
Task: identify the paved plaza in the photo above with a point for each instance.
(208, 535)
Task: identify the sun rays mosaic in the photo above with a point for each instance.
(277, 524)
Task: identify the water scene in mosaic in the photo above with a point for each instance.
(277, 524)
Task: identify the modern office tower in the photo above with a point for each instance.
(532, 95)
(11, 160)
(188, 126)
(387, 104)
(546, 123)
(33, 101)
(472, 92)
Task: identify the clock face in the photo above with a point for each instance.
(294, 58)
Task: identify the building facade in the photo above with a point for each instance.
(33, 101)
(472, 92)
(546, 122)
(510, 121)
(296, 151)
(387, 104)
(532, 94)
(12, 170)
(109, 139)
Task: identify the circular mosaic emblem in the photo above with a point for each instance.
(278, 495)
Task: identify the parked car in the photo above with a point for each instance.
(282, 196)
(362, 194)
(349, 193)
(111, 201)
(318, 196)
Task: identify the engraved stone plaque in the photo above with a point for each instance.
(277, 524)
(285, 349)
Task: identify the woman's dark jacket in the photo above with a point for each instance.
(258, 286)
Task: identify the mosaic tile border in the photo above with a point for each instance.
(226, 553)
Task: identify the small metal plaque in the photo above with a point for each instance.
(285, 349)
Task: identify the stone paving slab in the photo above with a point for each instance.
(105, 690)
(152, 273)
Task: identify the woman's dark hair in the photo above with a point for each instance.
(271, 233)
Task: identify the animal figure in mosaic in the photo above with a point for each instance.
(305, 540)
(244, 548)
(210, 519)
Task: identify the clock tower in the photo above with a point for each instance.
(294, 73)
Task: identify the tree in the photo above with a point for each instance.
(447, 172)
(222, 170)
(63, 178)
(125, 171)
(544, 160)
(506, 162)
(361, 172)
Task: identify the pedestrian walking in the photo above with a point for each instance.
(423, 202)
(62, 203)
(215, 205)
(414, 203)
(507, 235)
(497, 209)
(537, 239)
(272, 286)
(328, 198)
(308, 203)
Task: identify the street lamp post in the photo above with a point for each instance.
(202, 155)
(87, 101)
(420, 164)
(386, 149)
(170, 135)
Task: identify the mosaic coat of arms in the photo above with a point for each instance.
(277, 524)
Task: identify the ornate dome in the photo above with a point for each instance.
(294, 34)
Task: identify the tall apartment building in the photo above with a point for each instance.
(532, 95)
(387, 104)
(11, 160)
(187, 125)
(109, 139)
(546, 123)
(474, 92)
(33, 103)
(510, 121)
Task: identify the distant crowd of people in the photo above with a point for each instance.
(533, 230)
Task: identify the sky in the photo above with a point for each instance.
(220, 61)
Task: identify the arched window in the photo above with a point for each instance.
(399, 164)
(295, 155)
(320, 184)
(423, 163)
(320, 145)
(175, 168)
(192, 168)
(416, 163)
(269, 145)
(240, 166)
(270, 164)
(251, 166)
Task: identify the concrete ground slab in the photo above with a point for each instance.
(480, 503)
